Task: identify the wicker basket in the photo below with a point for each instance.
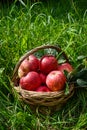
(44, 102)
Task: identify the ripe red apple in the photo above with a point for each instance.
(29, 64)
(43, 89)
(48, 63)
(43, 78)
(23, 68)
(55, 80)
(65, 66)
(31, 81)
(33, 63)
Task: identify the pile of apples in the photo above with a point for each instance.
(44, 74)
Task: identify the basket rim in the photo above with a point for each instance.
(48, 99)
(52, 93)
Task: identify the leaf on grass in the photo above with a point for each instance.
(81, 57)
(81, 83)
(1, 70)
(82, 74)
(79, 78)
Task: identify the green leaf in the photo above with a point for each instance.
(79, 78)
(81, 57)
(61, 60)
(1, 70)
(82, 74)
(81, 83)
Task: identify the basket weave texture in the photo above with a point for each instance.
(45, 101)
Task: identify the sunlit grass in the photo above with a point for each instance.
(26, 26)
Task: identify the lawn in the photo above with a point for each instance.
(26, 25)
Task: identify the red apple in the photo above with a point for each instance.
(43, 78)
(55, 80)
(33, 63)
(31, 81)
(43, 89)
(65, 66)
(48, 63)
(29, 64)
(23, 68)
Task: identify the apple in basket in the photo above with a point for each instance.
(23, 68)
(33, 63)
(48, 63)
(43, 88)
(29, 64)
(31, 81)
(43, 78)
(65, 67)
(56, 80)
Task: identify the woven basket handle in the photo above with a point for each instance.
(58, 49)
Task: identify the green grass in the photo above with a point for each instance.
(26, 26)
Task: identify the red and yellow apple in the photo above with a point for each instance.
(65, 67)
(23, 68)
(48, 63)
(29, 64)
(31, 81)
(55, 80)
